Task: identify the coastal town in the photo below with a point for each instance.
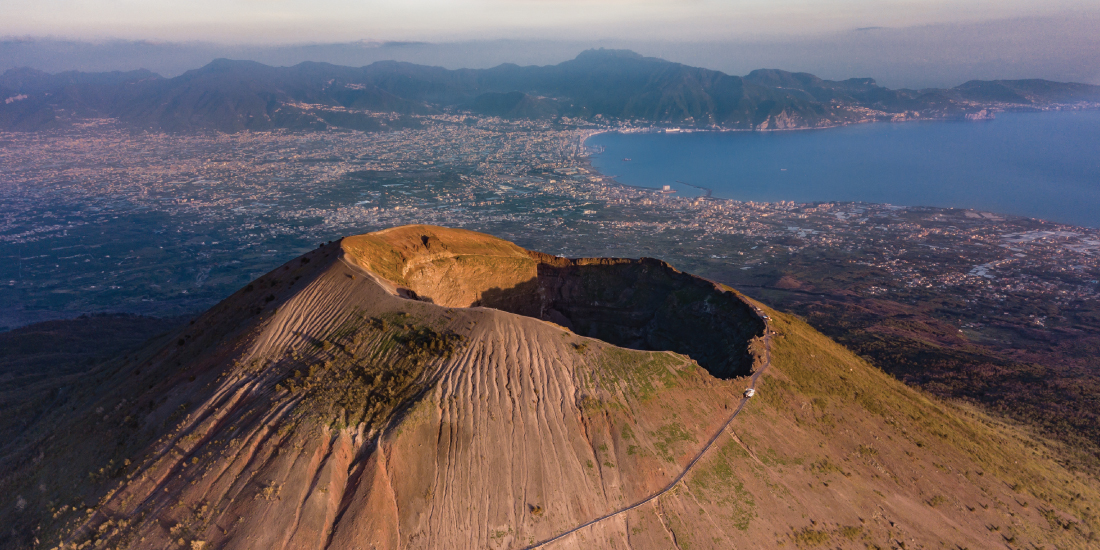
(973, 306)
(533, 276)
(102, 219)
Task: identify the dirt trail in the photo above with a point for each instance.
(687, 468)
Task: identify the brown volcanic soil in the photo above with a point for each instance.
(318, 408)
(40, 363)
(639, 304)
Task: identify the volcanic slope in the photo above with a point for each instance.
(424, 387)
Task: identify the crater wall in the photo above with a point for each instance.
(642, 304)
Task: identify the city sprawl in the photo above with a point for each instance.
(102, 219)
(967, 304)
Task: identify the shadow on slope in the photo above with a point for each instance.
(641, 304)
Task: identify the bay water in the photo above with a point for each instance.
(1044, 165)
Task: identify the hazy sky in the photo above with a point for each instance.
(282, 21)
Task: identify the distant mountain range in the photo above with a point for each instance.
(233, 96)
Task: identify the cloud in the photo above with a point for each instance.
(283, 20)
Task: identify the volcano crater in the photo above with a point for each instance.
(642, 304)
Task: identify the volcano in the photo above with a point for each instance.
(426, 387)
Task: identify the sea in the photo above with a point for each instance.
(1044, 165)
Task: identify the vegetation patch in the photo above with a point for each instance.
(667, 438)
(851, 532)
(638, 372)
(824, 467)
(716, 481)
(771, 457)
(811, 537)
(365, 369)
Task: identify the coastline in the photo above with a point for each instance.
(708, 192)
(816, 178)
(989, 113)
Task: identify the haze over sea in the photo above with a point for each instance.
(1043, 165)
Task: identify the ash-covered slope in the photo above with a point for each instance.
(420, 387)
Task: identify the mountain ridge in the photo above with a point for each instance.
(598, 85)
